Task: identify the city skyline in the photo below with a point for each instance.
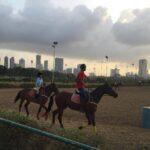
(130, 70)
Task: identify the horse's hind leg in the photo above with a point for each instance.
(54, 114)
(60, 114)
(20, 105)
(26, 107)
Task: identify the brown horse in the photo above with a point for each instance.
(63, 100)
(30, 95)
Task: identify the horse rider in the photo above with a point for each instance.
(38, 83)
(80, 85)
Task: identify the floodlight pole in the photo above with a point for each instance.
(106, 65)
(53, 72)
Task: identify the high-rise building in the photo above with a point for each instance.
(59, 62)
(75, 71)
(114, 72)
(143, 72)
(38, 61)
(12, 62)
(6, 61)
(46, 65)
(22, 63)
(78, 66)
(69, 70)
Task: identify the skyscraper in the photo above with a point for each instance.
(69, 70)
(12, 62)
(38, 61)
(59, 62)
(114, 72)
(75, 71)
(46, 65)
(143, 72)
(22, 63)
(6, 61)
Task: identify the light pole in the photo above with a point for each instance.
(106, 65)
(54, 45)
(31, 70)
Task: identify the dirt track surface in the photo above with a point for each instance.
(118, 119)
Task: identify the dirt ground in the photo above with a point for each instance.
(118, 120)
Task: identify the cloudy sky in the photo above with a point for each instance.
(86, 31)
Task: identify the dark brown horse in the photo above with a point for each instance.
(30, 95)
(63, 100)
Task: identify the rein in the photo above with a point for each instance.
(44, 96)
(91, 102)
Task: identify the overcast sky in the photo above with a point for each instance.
(83, 29)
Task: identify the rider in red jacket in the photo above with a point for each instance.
(80, 84)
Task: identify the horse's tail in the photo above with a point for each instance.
(50, 104)
(17, 97)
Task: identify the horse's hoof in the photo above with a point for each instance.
(80, 128)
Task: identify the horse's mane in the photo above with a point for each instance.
(96, 90)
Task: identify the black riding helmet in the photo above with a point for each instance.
(39, 74)
(82, 66)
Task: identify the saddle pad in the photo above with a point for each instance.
(32, 93)
(75, 98)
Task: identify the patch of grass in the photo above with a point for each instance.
(13, 138)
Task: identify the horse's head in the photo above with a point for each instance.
(54, 88)
(109, 90)
(51, 88)
(42, 90)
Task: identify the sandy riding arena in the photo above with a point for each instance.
(118, 120)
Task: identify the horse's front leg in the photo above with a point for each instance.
(88, 118)
(93, 121)
(39, 112)
(45, 114)
(26, 107)
(89, 121)
(20, 105)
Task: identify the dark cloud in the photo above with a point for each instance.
(134, 30)
(80, 32)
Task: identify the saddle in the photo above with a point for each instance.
(32, 93)
(76, 97)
